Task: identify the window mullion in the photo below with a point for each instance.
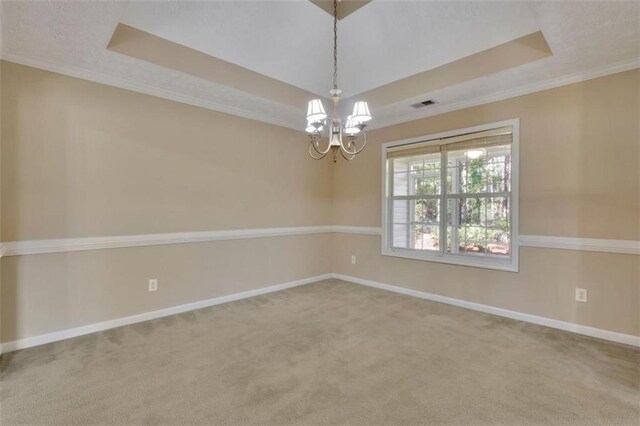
(443, 198)
(455, 188)
(390, 218)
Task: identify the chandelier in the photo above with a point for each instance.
(341, 137)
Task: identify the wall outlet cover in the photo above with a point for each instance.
(581, 294)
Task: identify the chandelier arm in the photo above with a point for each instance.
(316, 146)
(346, 156)
(311, 144)
(356, 151)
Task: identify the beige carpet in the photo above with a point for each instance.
(325, 353)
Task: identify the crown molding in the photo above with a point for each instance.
(509, 93)
(379, 123)
(145, 89)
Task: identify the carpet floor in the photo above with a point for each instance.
(324, 353)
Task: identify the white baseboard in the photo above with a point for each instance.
(547, 322)
(119, 322)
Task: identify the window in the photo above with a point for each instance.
(452, 197)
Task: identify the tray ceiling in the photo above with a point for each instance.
(272, 55)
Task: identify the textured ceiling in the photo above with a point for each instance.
(290, 41)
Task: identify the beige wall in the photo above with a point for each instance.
(579, 177)
(579, 153)
(544, 286)
(1, 200)
(53, 292)
(81, 159)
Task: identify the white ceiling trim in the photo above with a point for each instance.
(510, 93)
(378, 124)
(147, 89)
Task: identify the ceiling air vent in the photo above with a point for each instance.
(424, 103)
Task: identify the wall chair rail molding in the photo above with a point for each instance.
(359, 230)
(19, 248)
(585, 244)
(541, 241)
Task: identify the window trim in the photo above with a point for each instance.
(512, 264)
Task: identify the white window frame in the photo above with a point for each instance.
(511, 264)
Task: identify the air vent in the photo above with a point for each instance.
(424, 103)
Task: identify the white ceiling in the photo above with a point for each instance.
(387, 41)
(268, 37)
(291, 41)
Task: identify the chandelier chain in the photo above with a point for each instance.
(335, 44)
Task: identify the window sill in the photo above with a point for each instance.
(509, 265)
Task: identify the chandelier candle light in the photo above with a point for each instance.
(317, 121)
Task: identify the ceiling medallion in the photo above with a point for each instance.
(317, 121)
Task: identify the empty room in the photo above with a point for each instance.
(319, 212)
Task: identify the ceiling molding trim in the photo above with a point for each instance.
(143, 46)
(146, 89)
(377, 124)
(511, 93)
(511, 54)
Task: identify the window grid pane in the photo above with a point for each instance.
(479, 226)
(416, 224)
(416, 176)
(475, 198)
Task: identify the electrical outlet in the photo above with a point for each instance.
(581, 294)
(353, 260)
(153, 284)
